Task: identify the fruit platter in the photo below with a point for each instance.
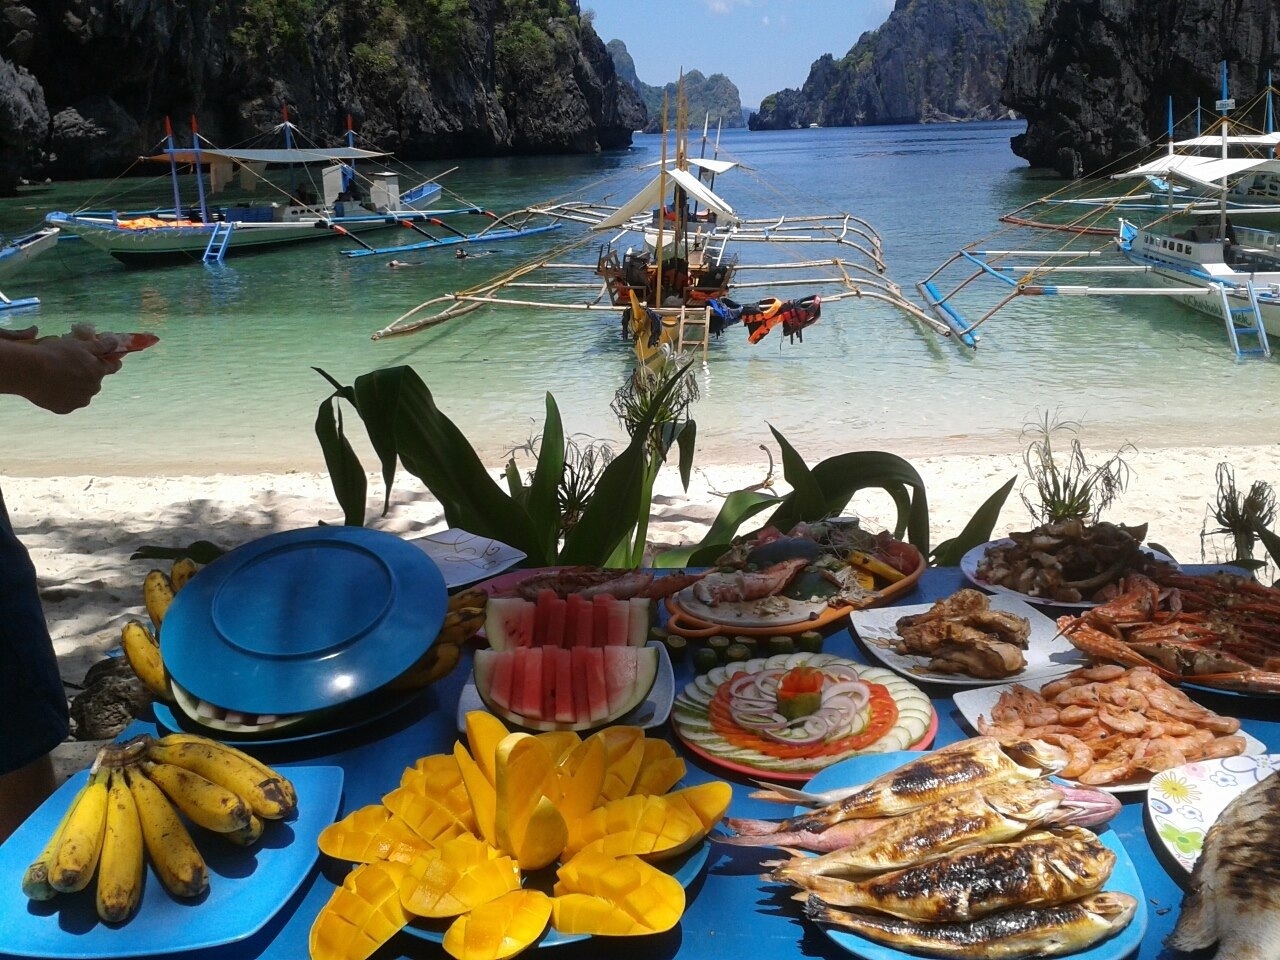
(790, 715)
(809, 578)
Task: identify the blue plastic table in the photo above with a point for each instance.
(730, 913)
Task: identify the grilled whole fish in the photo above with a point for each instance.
(1036, 869)
(990, 814)
(959, 766)
(1007, 935)
(1234, 895)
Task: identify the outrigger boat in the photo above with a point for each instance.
(19, 251)
(1190, 248)
(351, 202)
(669, 258)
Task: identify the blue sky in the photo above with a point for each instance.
(761, 45)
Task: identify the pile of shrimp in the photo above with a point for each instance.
(1116, 724)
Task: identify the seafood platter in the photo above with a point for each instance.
(1068, 564)
(792, 715)
(966, 639)
(1119, 726)
(806, 579)
(970, 850)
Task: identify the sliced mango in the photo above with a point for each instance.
(429, 819)
(484, 801)
(527, 825)
(580, 778)
(623, 896)
(367, 834)
(660, 768)
(484, 733)
(707, 801)
(623, 753)
(645, 826)
(560, 743)
(362, 915)
(500, 928)
(438, 777)
(456, 877)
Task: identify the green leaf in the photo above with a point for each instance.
(542, 502)
(806, 496)
(687, 439)
(1269, 540)
(350, 485)
(377, 397)
(976, 532)
(738, 507)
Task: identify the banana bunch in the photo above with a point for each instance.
(136, 805)
(140, 643)
(464, 617)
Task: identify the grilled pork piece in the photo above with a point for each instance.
(1234, 896)
(1007, 935)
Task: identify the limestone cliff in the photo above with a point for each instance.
(1094, 77)
(432, 79)
(714, 98)
(932, 60)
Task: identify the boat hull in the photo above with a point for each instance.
(20, 250)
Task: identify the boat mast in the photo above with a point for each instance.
(662, 207)
(195, 146)
(1225, 105)
(173, 168)
(1168, 180)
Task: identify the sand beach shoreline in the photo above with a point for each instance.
(82, 530)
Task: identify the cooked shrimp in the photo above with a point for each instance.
(1115, 766)
(1080, 757)
(1125, 721)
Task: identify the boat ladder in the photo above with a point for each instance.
(713, 253)
(694, 330)
(218, 240)
(1249, 326)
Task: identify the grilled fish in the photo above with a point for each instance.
(962, 765)
(1234, 895)
(1037, 869)
(990, 814)
(1007, 935)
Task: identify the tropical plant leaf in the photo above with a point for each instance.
(686, 439)
(376, 398)
(1269, 540)
(350, 485)
(806, 496)
(542, 499)
(738, 507)
(977, 531)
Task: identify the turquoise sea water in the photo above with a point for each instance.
(230, 386)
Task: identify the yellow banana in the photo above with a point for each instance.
(475, 597)
(436, 663)
(157, 594)
(205, 803)
(122, 865)
(267, 772)
(35, 881)
(183, 569)
(247, 835)
(460, 624)
(142, 651)
(174, 856)
(263, 789)
(77, 857)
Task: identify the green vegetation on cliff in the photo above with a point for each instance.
(715, 96)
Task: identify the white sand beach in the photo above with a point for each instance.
(81, 530)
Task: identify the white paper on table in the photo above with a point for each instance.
(465, 557)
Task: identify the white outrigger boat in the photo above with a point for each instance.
(351, 202)
(669, 258)
(15, 253)
(1194, 248)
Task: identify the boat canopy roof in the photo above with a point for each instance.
(1251, 139)
(1205, 171)
(282, 155)
(703, 163)
(653, 195)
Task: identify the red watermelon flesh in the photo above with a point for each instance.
(542, 612)
(619, 674)
(564, 687)
(597, 690)
(556, 612)
(505, 623)
(600, 619)
(640, 618)
(550, 664)
(530, 704)
(619, 634)
(500, 689)
(549, 621)
(573, 606)
(586, 625)
(579, 667)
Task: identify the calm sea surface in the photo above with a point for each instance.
(230, 386)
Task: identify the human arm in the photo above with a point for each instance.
(60, 374)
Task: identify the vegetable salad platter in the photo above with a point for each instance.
(791, 715)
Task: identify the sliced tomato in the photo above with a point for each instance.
(881, 715)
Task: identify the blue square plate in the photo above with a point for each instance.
(247, 885)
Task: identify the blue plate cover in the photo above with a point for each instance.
(1124, 876)
(303, 620)
(247, 885)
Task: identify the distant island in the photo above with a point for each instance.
(715, 97)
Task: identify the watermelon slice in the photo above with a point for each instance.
(619, 634)
(549, 621)
(505, 623)
(593, 686)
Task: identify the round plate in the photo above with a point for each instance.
(303, 620)
(969, 567)
(1124, 875)
(685, 869)
(1184, 802)
(915, 727)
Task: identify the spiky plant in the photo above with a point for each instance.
(1069, 487)
(1239, 517)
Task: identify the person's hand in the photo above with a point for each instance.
(62, 373)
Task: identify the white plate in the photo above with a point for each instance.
(1184, 802)
(653, 712)
(1048, 654)
(465, 557)
(969, 567)
(980, 700)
